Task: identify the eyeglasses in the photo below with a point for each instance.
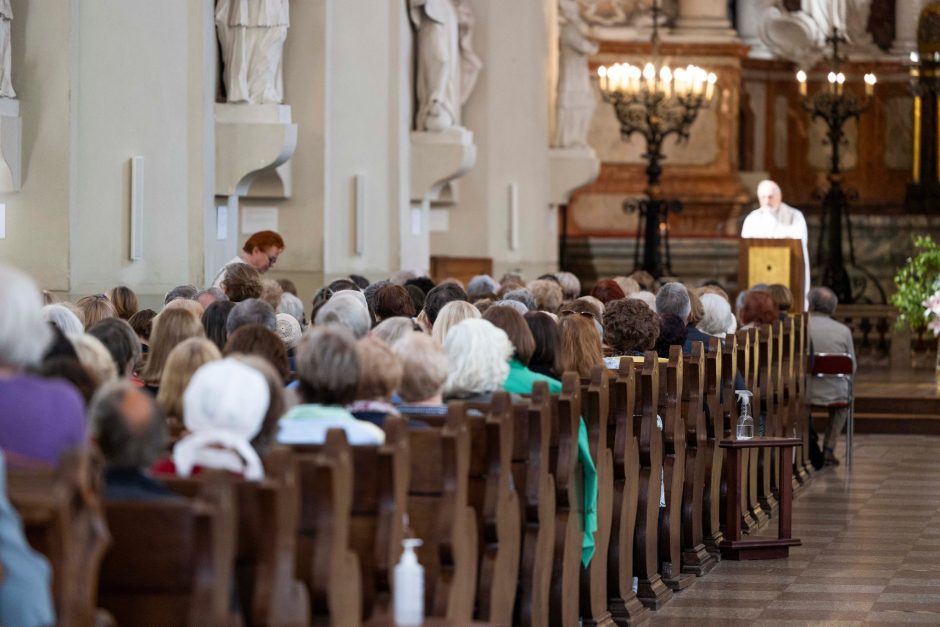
(272, 259)
(572, 312)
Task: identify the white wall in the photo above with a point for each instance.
(508, 114)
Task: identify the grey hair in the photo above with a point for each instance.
(570, 284)
(188, 292)
(513, 304)
(481, 285)
(216, 294)
(293, 306)
(347, 311)
(649, 298)
(64, 319)
(24, 335)
(823, 300)
(403, 276)
(718, 317)
(251, 311)
(121, 444)
(524, 296)
(673, 298)
(392, 330)
(328, 365)
(478, 355)
(739, 301)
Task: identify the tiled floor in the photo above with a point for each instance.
(870, 554)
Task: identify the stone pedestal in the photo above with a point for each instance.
(11, 145)
(570, 169)
(436, 160)
(703, 20)
(749, 17)
(248, 140)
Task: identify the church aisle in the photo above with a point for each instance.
(870, 554)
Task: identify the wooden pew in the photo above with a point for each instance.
(670, 529)
(624, 606)
(439, 514)
(172, 559)
(695, 559)
(804, 469)
(325, 561)
(379, 507)
(751, 503)
(267, 512)
(730, 365)
(63, 519)
(564, 465)
(767, 376)
(595, 410)
(715, 389)
(532, 606)
(651, 591)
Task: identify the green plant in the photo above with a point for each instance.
(917, 281)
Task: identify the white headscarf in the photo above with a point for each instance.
(223, 409)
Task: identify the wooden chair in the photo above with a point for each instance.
(63, 519)
(714, 389)
(538, 496)
(439, 514)
(651, 590)
(267, 514)
(564, 465)
(695, 558)
(622, 602)
(670, 529)
(172, 559)
(595, 410)
(325, 561)
(379, 507)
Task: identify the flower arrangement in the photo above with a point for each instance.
(918, 294)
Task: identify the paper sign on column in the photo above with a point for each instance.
(221, 223)
(256, 219)
(3, 221)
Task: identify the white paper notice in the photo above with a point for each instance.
(221, 222)
(256, 219)
(3, 221)
(416, 221)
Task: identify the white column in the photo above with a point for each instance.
(703, 20)
(906, 13)
(750, 13)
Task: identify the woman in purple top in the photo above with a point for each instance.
(39, 419)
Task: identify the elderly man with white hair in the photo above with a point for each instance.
(776, 219)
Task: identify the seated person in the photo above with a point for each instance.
(520, 378)
(39, 418)
(581, 348)
(380, 373)
(424, 372)
(224, 408)
(131, 432)
(631, 328)
(26, 585)
(328, 377)
(478, 356)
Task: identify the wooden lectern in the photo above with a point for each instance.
(773, 261)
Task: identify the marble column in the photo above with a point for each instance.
(703, 20)
(750, 13)
(906, 13)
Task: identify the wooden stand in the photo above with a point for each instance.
(773, 261)
(758, 549)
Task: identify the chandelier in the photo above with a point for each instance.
(655, 102)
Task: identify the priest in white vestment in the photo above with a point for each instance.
(777, 220)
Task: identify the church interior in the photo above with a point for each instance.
(469, 312)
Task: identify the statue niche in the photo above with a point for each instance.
(576, 102)
(251, 36)
(6, 54)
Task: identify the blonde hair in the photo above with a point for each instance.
(185, 358)
(452, 313)
(628, 285)
(170, 328)
(271, 292)
(580, 345)
(393, 330)
(548, 294)
(125, 301)
(380, 370)
(95, 359)
(95, 309)
(424, 367)
(192, 306)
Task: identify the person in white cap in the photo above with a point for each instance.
(223, 409)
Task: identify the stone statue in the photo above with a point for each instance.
(849, 16)
(576, 102)
(252, 35)
(470, 63)
(447, 65)
(6, 54)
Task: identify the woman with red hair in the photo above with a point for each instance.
(607, 290)
(759, 308)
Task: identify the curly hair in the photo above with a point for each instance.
(478, 358)
(548, 294)
(630, 326)
(241, 282)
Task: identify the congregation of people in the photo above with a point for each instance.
(219, 375)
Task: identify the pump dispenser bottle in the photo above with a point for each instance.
(745, 419)
(409, 586)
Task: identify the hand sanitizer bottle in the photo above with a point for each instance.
(409, 586)
(745, 420)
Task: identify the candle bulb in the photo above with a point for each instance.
(710, 87)
(801, 77)
(870, 81)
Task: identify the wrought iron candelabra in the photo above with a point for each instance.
(655, 102)
(834, 106)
